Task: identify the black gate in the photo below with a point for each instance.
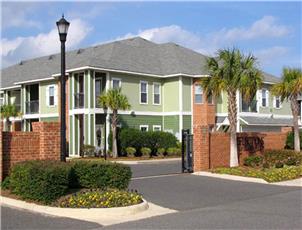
(187, 151)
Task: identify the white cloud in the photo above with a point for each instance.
(12, 51)
(270, 55)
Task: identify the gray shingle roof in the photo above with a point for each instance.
(134, 55)
(268, 121)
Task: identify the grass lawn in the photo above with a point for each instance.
(269, 175)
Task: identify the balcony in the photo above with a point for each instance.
(249, 107)
(78, 100)
(32, 107)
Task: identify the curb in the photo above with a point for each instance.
(147, 161)
(91, 214)
(249, 179)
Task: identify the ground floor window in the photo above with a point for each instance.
(156, 127)
(144, 128)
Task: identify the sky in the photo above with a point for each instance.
(271, 31)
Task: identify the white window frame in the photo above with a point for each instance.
(156, 126)
(116, 79)
(275, 102)
(198, 94)
(159, 85)
(144, 126)
(48, 95)
(266, 98)
(140, 93)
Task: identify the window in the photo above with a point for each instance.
(198, 93)
(156, 93)
(156, 127)
(98, 90)
(144, 128)
(116, 83)
(51, 95)
(144, 92)
(264, 96)
(277, 102)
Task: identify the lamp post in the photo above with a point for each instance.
(63, 26)
(105, 133)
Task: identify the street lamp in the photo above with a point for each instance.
(105, 133)
(63, 26)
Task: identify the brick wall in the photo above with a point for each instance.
(219, 149)
(42, 143)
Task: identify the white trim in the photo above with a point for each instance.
(275, 102)
(153, 93)
(163, 105)
(180, 101)
(48, 95)
(93, 89)
(11, 87)
(266, 98)
(89, 126)
(34, 81)
(144, 126)
(156, 126)
(192, 105)
(89, 89)
(73, 137)
(140, 93)
(238, 110)
(117, 79)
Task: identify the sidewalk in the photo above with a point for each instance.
(294, 183)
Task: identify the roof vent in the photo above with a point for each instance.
(50, 57)
(80, 51)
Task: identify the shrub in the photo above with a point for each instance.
(42, 181)
(100, 199)
(161, 151)
(289, 144)
(88, 150)
(92, 174)
(273, 156)
(173, 151)
(146, 151)
(5, 183)
(279, 165)
(253, 161)
(130, 151)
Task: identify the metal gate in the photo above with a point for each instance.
(187, 151)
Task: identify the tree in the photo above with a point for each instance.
(232, 71)
(289, 89)
(8, 111)
(114, 100)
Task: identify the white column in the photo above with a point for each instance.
(108, 115)
(180, 101)
(238, 110)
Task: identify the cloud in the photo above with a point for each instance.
(270, 55)
(15, 14)
(12, 51)
(266, 27)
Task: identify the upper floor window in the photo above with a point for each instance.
(116, 83)
(156, 93)
(264, 97)
(51, 95)
(198, 93)
(144, 92)
(277, 102)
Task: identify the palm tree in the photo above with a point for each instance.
(114, 100)
(232, 71)
(8, 111)
(289, 89)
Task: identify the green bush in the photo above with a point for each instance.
(173, 152)
(146, 151)
(273, 156)
(253, 161)
(93, 174)
(289, 144)
(153, 140)
(88, 150)
(279, 165)
(42, 181)
(5, 183)
(161, 151)
(130, 151)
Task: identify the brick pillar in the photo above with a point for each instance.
(201, 148)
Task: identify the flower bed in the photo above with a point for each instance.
(99, 199)
(269, 175)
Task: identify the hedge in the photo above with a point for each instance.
(42, 181)
(92, 174)
(288, 157)
(290, 140)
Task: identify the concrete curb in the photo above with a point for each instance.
(147, 161)
(294, 183)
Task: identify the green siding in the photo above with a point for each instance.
(171, 95)
(76, 135)
(222, 103)
(128, 121)
(49, 119)
(92, 128)
(92, 101)
(70, 97)
(171, 123)
(187, 122)
(71, 135)
(44, 109)
(86, 93)
(130, 87)
(186, 94)
(86, 129)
